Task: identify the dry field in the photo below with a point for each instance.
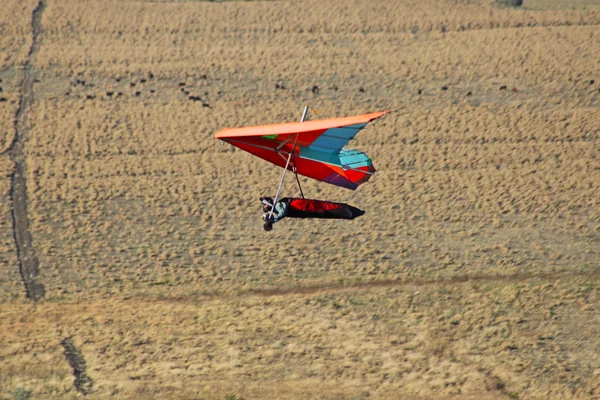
(475, 273)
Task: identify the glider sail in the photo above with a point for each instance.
(315, 148)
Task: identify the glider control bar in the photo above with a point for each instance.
(281, 182)
(287, 164)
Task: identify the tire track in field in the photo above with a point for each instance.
(337, 287)
(83, 383)
(391, 283)
(28, 261)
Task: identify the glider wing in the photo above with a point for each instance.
(317, 147)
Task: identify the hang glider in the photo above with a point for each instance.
(313, 148)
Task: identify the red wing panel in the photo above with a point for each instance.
(312, 169)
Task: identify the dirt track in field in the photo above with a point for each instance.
(473, 274)
(83, 383)
(514, 278)
(28, 260)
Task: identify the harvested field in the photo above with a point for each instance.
(475, 272)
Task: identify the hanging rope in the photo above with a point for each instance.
(294, 170)
(298, 180)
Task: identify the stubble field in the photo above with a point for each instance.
(474, 273)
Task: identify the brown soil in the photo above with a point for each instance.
(473, 274)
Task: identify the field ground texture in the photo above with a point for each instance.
(474, 274)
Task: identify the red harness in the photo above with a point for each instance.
(308, 205)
